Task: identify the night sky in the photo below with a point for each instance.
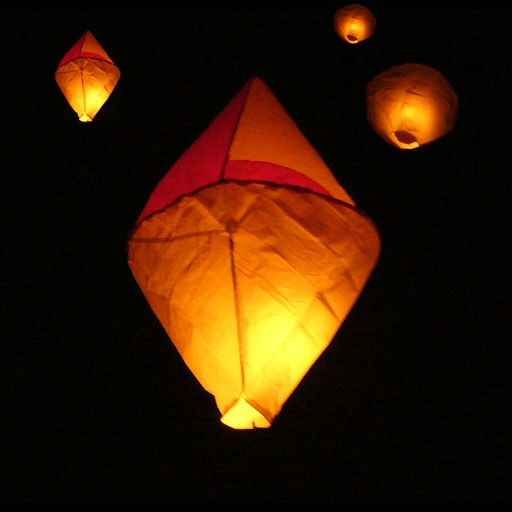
(407, 405)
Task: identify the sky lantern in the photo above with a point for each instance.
(411, 105)
(87, 76)
(354, 23)
(251, 255)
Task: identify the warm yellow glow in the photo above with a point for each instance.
(242, 415)
(251, 283)
(87, 84)
(252, 279)
(408, 113)
(355, 31)
(411, 105)
(354, 23)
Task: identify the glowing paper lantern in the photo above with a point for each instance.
(87, 76)
(411, 105)
(251, 255)
(354, 23)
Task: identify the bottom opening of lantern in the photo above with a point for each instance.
(406, 140)
(352, 38)
(242, 416)
(84, 118)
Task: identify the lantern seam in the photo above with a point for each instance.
(83, 91)
(227, 158)
(256, 406)
(179, 237)
(82, 57)
(237, 308)
(295, 188)
(321, 189)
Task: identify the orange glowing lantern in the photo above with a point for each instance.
(251, 255)
(87, 76)
(411, 105)
(354, 23)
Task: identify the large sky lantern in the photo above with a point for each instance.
(87, 76)
(354, 23)
(411, 105)
(251, 255)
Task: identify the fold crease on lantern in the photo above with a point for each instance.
(411, 105)
(354, 23)
(87, 76)
(251, 255)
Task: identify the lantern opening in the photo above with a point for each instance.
(85, 118)
(406, 138)
(352, 38)
(242, 415)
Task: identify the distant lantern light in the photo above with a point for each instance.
(251, 255)
(354, 23)
(411, 105)
(87, 76)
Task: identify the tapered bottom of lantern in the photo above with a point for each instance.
(406, 140)
(84, 118)
(243, 416)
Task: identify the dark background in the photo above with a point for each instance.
(406, 405)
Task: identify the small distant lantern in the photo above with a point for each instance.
(87, 76)
(411, 105)
(354, 23)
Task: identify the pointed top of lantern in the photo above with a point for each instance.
(252, 139)
(86, 47)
